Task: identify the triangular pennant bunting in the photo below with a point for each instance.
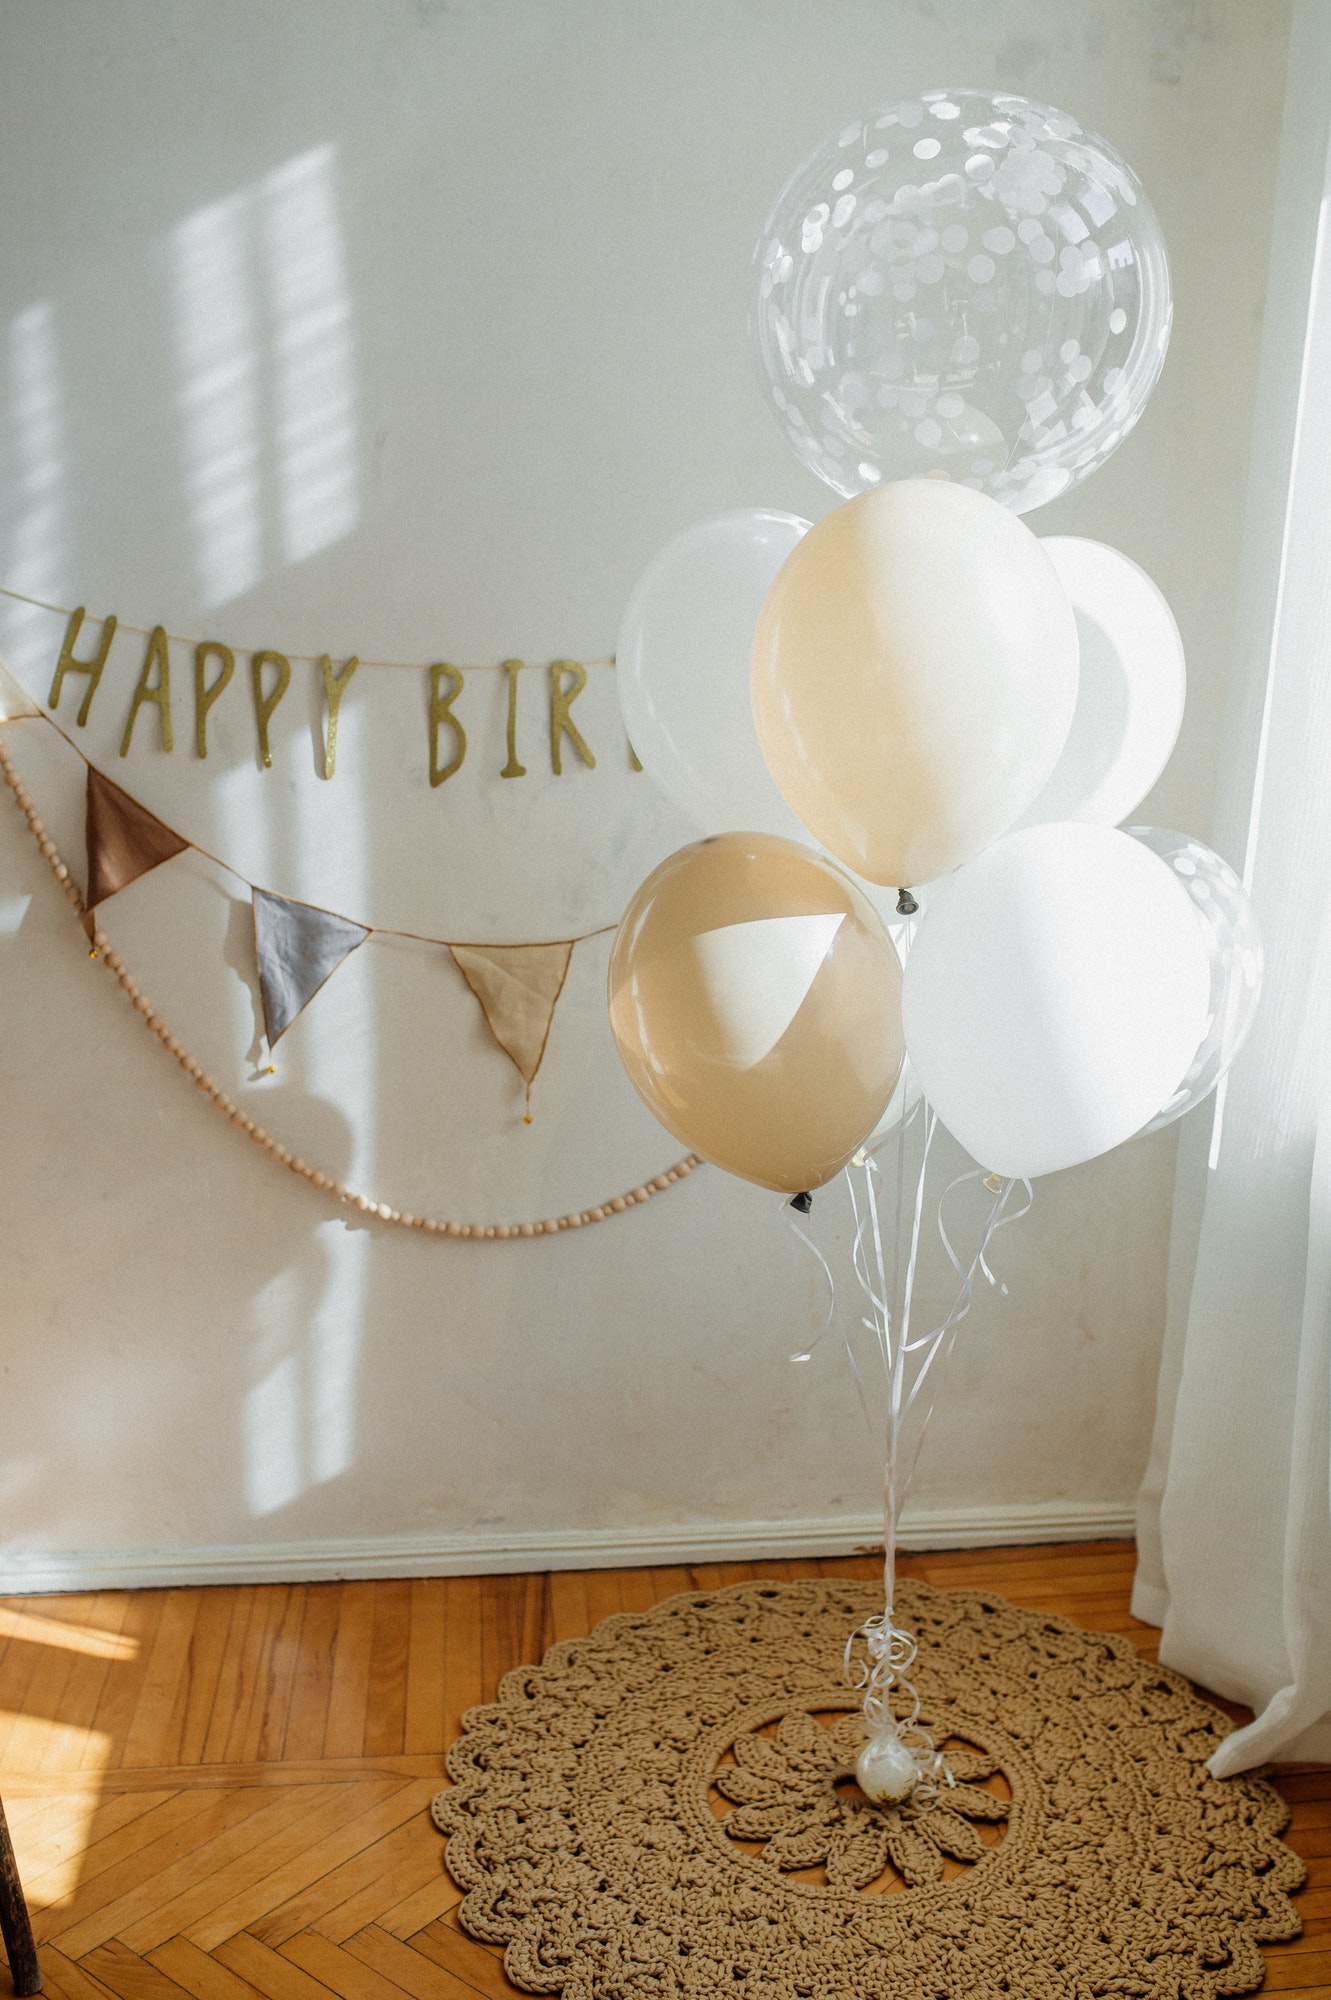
(14, 700)
(124, 841)
(297, 947)
(518, 986)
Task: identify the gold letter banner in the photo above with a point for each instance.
(297, 947)
(518, 986)
(124, 841)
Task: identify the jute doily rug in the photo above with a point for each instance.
(667, 1807)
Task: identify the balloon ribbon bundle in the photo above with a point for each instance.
(900, 1759)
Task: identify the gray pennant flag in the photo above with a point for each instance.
(298, 948)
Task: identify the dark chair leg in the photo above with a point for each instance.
(17, 1930)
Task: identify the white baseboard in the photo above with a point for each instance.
(495, 1552)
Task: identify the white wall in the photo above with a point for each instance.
(413, 331)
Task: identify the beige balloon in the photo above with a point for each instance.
(755, 999)
(914, 677)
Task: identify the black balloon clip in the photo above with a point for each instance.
(801, 1203)
(906, 903)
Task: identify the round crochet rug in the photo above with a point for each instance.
(669, 1807)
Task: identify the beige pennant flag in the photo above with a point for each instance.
(518, 986)
(14, 700)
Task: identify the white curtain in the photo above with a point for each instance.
(1234, 1524)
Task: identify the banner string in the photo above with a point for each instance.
(303, 659)
(375, 930)
(327, 1184)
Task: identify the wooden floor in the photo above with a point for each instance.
(224, 1792)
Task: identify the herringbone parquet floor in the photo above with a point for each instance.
(225, 1792)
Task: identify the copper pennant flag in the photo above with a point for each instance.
(517, 986)
(124, 841)
(298, 948)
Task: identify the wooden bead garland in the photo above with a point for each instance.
(491, 1232)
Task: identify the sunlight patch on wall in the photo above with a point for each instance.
(219, 396)
(273, 1454)
(314, 389)
(35, 475)
(265, 354)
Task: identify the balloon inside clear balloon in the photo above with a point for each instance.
(967, 283)
(1234, 952)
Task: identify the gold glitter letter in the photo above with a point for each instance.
(205, 696)
(92, 668)
(264, 705)
(441, 710)
(562, 697)
(335, 686)
(513, 769)
(158, 651)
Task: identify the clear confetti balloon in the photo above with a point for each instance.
(1234, 948)
(963, 283)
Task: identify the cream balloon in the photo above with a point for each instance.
(1132, 688)
(682, 661)
(1055, 996)
(755, 1000)
(914, 677)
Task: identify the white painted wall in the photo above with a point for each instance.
(413, 331)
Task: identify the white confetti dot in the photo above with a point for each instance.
(1113, 376)
(876, 159)
(1000, 241)
(843, 211)
(980, 270)
(979, 166)
(927, 149)
(1031, 361)
(870, 283)
(1068, 351)
(909, 114)
(945, 109)
(929, 433)
(1081, 368)
(1042, 250)
(903, 292)
(869, 472)
(955, 239)
(950, 406)
(848, 135)
(929, 270)
(1029, 230)
(1118, 319)
(843, 179)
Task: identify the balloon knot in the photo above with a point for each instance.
(906, 903)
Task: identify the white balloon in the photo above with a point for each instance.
(1133, 683)
(1234, 952)
(682, 668)
(1055, 995)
